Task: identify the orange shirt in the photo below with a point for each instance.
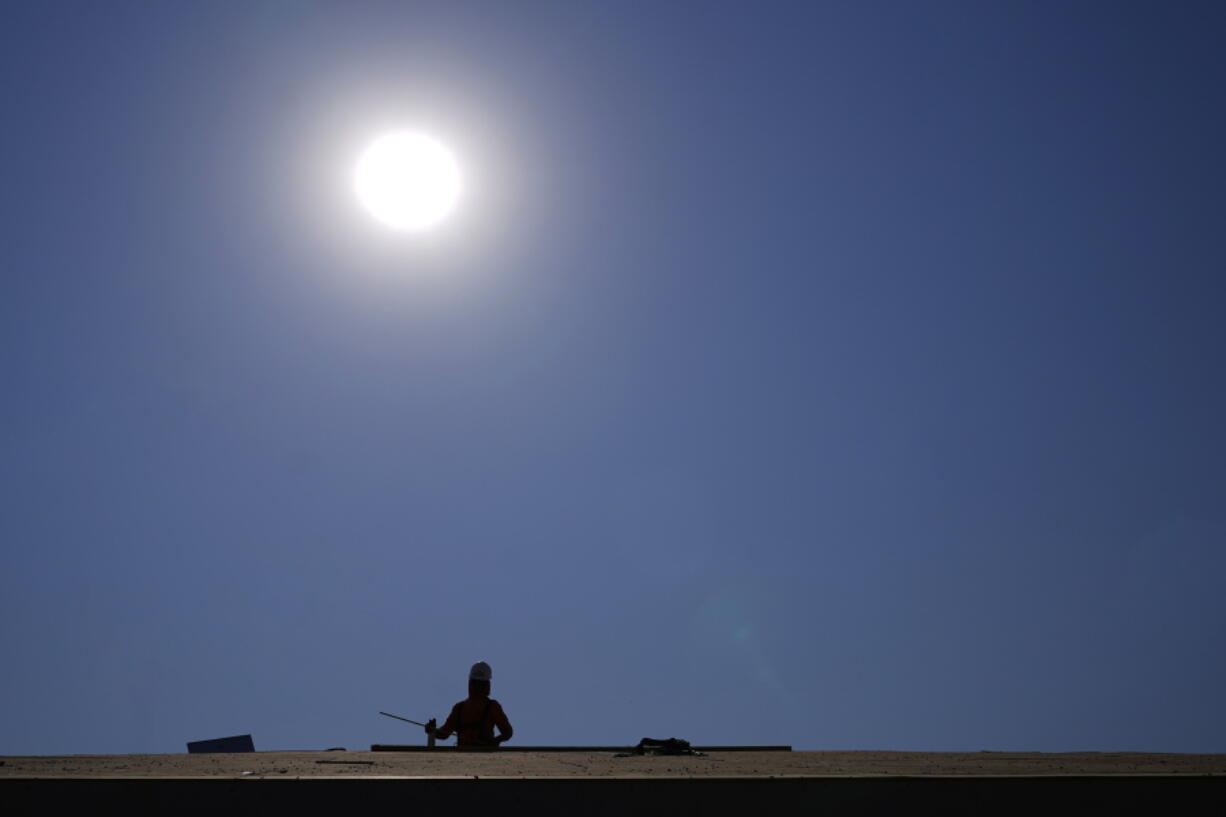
(473, 720)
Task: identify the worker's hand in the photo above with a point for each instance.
(431, 726)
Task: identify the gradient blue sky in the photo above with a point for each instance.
(845, 375)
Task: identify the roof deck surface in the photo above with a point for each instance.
(556, 764)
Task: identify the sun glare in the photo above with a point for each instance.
(408, 181)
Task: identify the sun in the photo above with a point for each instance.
(408, 181)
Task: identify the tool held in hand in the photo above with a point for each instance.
(430, 727)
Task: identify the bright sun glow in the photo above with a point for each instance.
(408, 181)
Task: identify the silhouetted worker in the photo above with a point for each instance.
(474, 718)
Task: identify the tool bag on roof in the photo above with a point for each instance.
(671, 746)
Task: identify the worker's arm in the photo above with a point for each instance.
(449, 725)
(504, 726)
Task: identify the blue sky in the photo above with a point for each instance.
(844, 375)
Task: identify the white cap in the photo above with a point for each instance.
(480, 672)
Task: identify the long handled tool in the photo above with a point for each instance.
(407, 720)
(430, 727)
